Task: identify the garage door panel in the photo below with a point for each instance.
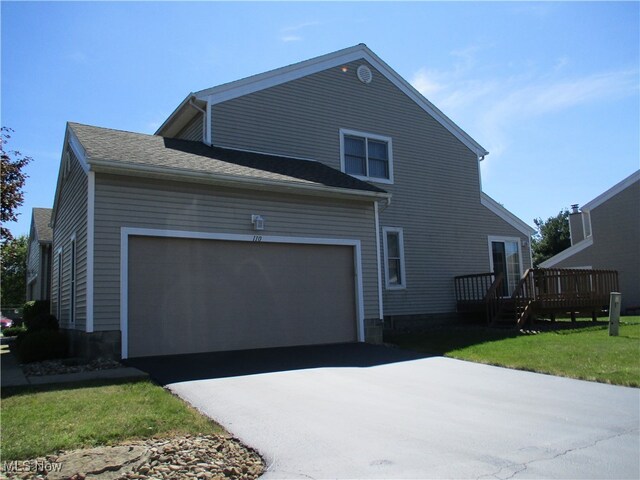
(189, 295)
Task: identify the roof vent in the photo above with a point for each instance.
(364, 74)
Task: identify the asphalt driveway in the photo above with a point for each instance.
(382, 413)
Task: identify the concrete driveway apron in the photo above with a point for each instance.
(426, 418)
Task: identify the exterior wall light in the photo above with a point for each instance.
(258, 222)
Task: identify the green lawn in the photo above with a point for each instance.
(41, 421)
(587, 352)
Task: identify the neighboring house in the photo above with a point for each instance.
(299, 206)
(39, 255)
(605, 234)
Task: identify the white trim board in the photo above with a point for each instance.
(506, 215)
(91, 200)
(126, 232)
(569, 252)
(613, 191)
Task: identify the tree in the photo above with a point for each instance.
(13, 178)
(551, 238)
(14, 270)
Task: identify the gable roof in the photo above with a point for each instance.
(613, 191)
(104, 149)
(281, 75)
(41, 219)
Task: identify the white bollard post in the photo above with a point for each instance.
(614, 313)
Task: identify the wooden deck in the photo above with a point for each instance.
(540, 291)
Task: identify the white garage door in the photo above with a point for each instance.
(188, 295)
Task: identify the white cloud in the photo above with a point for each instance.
(488, 105)
(292, 33)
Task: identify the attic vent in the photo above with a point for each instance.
(364, 74)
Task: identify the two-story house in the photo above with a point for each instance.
(303, 205)
(605, 234)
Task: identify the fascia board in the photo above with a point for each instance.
(174, 114)
(612, 192)
(506, 215)
(569, 252)
(282, 75)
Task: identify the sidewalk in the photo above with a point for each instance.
(11, 374)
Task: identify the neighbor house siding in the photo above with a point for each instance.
(436, 189)
(200, 208)
(615, 226)
(193, 130)
(71, 219)
(33, 269)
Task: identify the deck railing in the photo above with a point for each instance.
(542, 290)
(472, 288)
(559, 290)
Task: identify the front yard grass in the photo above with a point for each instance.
(38, 421)
(585, 352)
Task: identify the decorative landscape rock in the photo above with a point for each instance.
(104, 463)
(206, 457)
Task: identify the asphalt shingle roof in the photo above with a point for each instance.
(41, 219)
(136, 149)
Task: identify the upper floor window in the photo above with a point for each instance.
(366, 156)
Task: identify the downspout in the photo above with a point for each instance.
(377, 226)
(204, 118)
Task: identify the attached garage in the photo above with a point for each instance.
(189, 295)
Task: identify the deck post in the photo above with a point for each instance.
(614, 313)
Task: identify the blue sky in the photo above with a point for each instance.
(550, 89)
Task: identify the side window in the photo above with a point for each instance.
(366, 156)
(394, 258)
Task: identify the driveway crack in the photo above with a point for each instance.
(525, 465)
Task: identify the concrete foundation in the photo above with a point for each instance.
(373, 330)
(105, 344)
(417, 323)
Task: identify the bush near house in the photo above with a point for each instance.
(41, 339)
(33, 309)
(14, 331)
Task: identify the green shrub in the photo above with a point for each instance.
(41, 345)
(14, 331)
(31, 310)
(43, 321)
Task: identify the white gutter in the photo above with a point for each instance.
(204, 118)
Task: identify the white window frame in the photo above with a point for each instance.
(73, 278)
(518, 242)
(586, 224)
(403, 273)
(373, 136)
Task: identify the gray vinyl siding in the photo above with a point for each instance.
(615, 226)
(71, 218)
(201, 208)
(193, 130)
(436, 190)
(33, 268)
